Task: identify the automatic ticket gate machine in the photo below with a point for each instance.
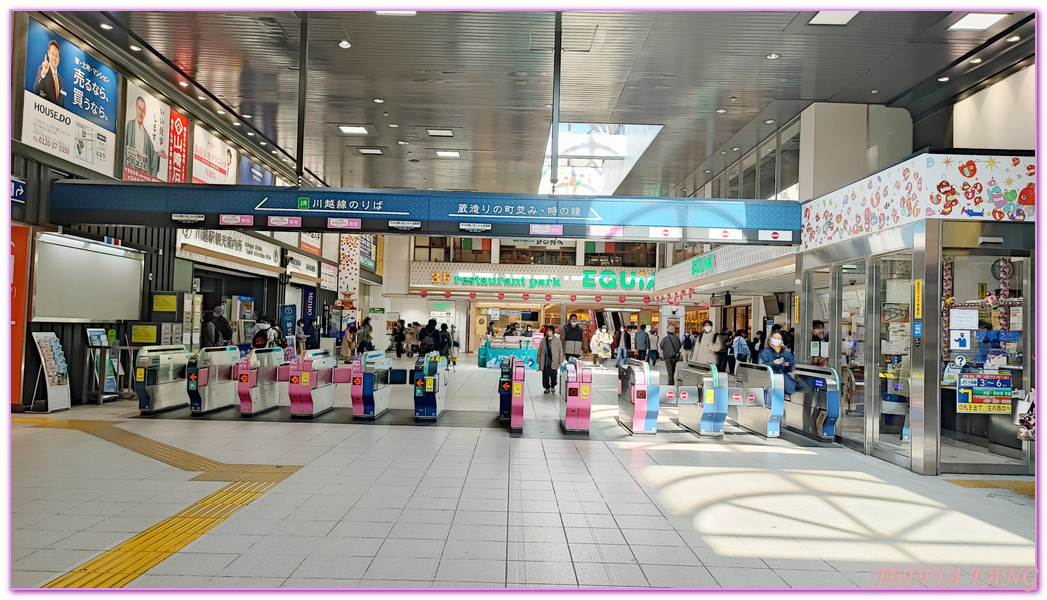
(311, 383)
(758, 395)
(430, 386)
(576, 404)
(638, 394)
(369, 384)
(256, 380)
(160, 378)
(211, 384)
(814, 408)
(511, 393)
(701, 395)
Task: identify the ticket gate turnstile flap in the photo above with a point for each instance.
(257, 382)
(369, 384)
(575, 396)
(211, 384)
(160, 378)
(430, 384)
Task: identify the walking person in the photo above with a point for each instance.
(550, 355)
(781, 361)
(300, 336)
(366, 336)
(209, 336)
(670, 347)
(225, 330)
(742, 352)
(600, 345)
(652, 354)
(349, 341)
(411, 339)
(622, 345)
(399, 336)
(573, 339)
(725, 357)
(706, 345)
(642, 342)
(456, 343)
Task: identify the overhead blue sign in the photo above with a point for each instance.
(252, 173)
(17, 190)
(445, 207)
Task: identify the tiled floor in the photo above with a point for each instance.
(378, 506)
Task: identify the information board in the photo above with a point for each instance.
(983, 393)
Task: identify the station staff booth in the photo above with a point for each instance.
(923, 276)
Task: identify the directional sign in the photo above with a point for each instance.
(358, 381)
(243, 378)
(420, 382)
(294, 379)
(193, 377)
(505, 386)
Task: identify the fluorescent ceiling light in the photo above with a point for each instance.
(370, 150)
(393, 125)
(721, 110)
(977, 21)
(1014, 38)
(183, 84)
(943, 79)
(246, 116)
(353, 129)
(773, 56)
(440, 132)
(250, 133)
(106, 26)
(221, 112)
(395, 13)
(448, 153)
(833, 17)
(134, 48)
(262, 143)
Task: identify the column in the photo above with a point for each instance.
(579, 253)
(496, 250)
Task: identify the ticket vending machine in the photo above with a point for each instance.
(257, 384)
(369, 384)
(638, 394)
(210, 382)
(160, 378)
(575, 396)
(511, 393)
(311, 383)
(430, 383)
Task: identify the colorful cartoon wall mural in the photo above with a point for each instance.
(928, 186)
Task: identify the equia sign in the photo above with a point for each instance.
(609, 280)
(702, 264)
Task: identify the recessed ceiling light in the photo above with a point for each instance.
(385, 114)
(263, 143)
(874, 92)
(768, 121)
(395, 13)
(448, 153)
(393, 125)
(183, 84)
(221, 112)
(344, 44)
(236, 123)
(773, 56)
(833, 17)
(135, 48)
(378, 100)
(975, 61)
(273, 151)
(977, 21)
(723, 152)
(736, 148)
(721, 110)
(943, 79)
(250, 133)
(201, 97)
(440, 132)
(353, 130)
(734, 98)
(707, 171)
(403, 143)
(548, 105)
(1014, 38)
(285, 160)
(370, 150)
(246, 116)
(106, 26)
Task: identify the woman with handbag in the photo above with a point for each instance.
(707, 345)
(600, 345)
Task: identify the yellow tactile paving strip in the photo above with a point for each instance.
(1025, 488)
(117, 567)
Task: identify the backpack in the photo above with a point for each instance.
(426, 343)
(688, 343)
(260, 339)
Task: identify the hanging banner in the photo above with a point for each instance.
(20, 237)
(155, 138)
(214, 161)
(252, 173)
(328, 277)
(379, 256)
(309, 309)
(349, 270)
(311, 242)
(367, 248)
(70, 101)
(288, 318)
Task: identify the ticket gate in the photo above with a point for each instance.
(638, 394)
(576, 403)
(311, 383)
(511, 393)
(369, 384)
(430, 383)
(210, 381)
(701, 395)
(257, 384)
(160, 376)
(814, 408)
(758, 394)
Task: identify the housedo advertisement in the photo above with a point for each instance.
(156, 139)
(70, 101)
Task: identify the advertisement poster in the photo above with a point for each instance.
(20, 236)
(149, 146)
(328, 277)
(56, 372)
(252, 173)
(70, 101)
(379, 256)
(311, 242)
(348, 270)
(214, 161)
(367, 248)
(288, 318)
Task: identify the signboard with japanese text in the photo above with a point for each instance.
(311, 242)
(156, 139)
(252, 173)
(328, 276)
(70, 101)
(379, 256)
(214, 161)
(302, 265)
(232, 243)
(367, 251)
(983, 393)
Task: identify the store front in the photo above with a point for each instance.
(928, 323)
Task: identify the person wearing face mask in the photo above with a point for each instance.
(550, 356)
(817, 335)
(706, 345)
(600, 345)
(781, 361)
(623, 343)
(573, 339)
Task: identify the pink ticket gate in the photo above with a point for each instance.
(638, 396)
(257, 384)
(311, 382)
(516, 407)
(576, 396)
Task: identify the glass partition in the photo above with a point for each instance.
(851, 328)
(749, 175)
(893, 364)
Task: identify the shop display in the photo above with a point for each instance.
(55, 372)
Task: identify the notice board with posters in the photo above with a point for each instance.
(70, 101)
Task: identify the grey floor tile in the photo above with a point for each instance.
(474, 550)
(413, 569)
(475, 517)
(37, 538)
(539, 551)
(816, 579)
(348, 546)
(436, 517)
(195, 564)
(385, 584)
(332, 567)
(52, 560)
(154, 581)
(610, 574)
(90, 540)
(311, 528)
(677, 576)
(285, 544)
(742, 578)
(318, 583)
(420, 531)
(559, 572)
(33, 579)
(483, 533)
(361, 529)
(645, 537)
(602, 553)
(467, 585)
(665, 555)
(411, 548)
(589, 520)
(246, 582)
(577, 535)
(263, 565)
(222, 544)
(536, 534)
(479, 571)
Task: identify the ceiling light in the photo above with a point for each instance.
(378, 100)
(943, 79)
(385, 114)
(285, 160)
(773, 56)
(768, 121)
(721, 110)
(370, 150)
(246, 116)
(440, 132)
(134, 48)
(393, 125)
(736, 148)
(106, 26)
(395, 13)
(262, 143)
(707, 171)
(734, 98)
(201, 97)
(344, 44)
(403, 143)
(236, 123)
(977, 21)
(874, 92)
(548, 105)
(273, 151)
(221, 112)
(353, 130)
(250, 134)
(975, 61)
(448, 153)
(722, 152)
(183, 84)
(1014, 38)
(833, 17)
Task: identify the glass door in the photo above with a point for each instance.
(850, 329)
(892, 364)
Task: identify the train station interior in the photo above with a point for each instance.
(510, 298)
